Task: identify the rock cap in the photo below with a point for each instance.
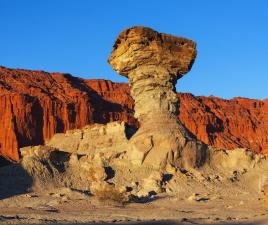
(142, 46)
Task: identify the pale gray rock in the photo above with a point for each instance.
(92, 139)
(153, 62)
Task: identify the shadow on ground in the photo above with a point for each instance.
(173, 222)
(14, 180)
(4, 162)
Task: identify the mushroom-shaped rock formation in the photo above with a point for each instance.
(153, 62)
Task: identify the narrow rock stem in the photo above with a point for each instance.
(153, 90)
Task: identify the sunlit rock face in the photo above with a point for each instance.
(35, 105)
(153, 62)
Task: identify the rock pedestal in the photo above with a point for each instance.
(153, 62)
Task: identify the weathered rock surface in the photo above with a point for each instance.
(92, 139)
(110, 175)
(229, 124)
(153, 62)
(35, 105)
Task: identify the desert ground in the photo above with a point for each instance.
(70, 207)
(48, 208)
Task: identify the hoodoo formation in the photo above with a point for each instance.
(153, 62)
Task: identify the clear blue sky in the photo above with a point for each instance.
(76, 36)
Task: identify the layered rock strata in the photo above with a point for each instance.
(93, 139)
(35, 105)
(153, 62)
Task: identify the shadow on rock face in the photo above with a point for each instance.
(14, 180)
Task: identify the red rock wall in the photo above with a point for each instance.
(36, 104)
(234, 123)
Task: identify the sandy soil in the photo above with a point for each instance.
(71, 207)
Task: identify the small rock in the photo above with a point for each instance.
(198, 198)
(30, 195)
(53, 203)
(152, 184)
(193, 196)
(65, 199)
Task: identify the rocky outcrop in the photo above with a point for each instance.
(106, 172)
(35, 105)
(153, 62)
(93, 139)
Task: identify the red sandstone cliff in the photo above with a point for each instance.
(238, 122)
(36, 104)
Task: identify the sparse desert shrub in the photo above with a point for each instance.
(110, 194)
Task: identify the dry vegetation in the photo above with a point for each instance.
(111, 195)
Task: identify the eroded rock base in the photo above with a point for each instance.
(50, 184)
(101, 164)
(65, 188)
